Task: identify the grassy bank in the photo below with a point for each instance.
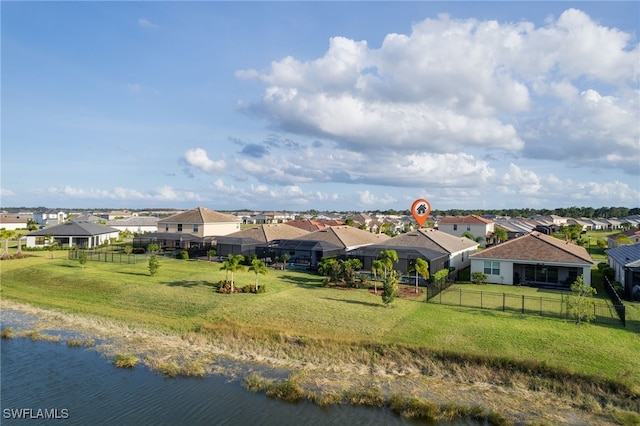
(300, 322)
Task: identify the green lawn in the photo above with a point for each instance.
(182, 298)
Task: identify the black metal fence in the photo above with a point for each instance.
(108, 256)
(604, 312)
(615, 299)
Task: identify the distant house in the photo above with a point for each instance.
(245, 242)
(49, 217)
(11, 222)
(439, 249)
(72, 234)
(625, 261)
(632, 234)
(195, 229)
(475, 225)
(535, 259)
(307, 250)
(135, 224)
(311, 225)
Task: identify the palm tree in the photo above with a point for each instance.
(421, 267)
(6, 235)
(501, 234)
(388, 257)
(376, 267)
(232, 264)
(259, 267)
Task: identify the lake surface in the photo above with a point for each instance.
(51, 383)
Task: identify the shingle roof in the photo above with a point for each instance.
(537, 247)
(269, 232)
(134, 221)
(74, 229)
(345, 236)
(471, 219)
(432, 239)
(200, 215)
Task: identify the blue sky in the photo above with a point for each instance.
(320, 105)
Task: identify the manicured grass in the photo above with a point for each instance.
(183, 298)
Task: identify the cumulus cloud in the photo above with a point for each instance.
(197, 158)
(6, 192)
(451, 85)
(368, 199)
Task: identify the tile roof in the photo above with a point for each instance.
(345, 236)
(471, 219)
(269, 232)
(201, 215)
(537, 247)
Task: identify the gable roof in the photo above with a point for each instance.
(432, 239)
(200, 215)
(74, 229)
(471, 219)
(626, 255)
(268, 232)
(345, 236)
(537, 247)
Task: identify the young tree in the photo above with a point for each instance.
(390, 287)
(580, 305)
(285, 259)
(232, 265)
(348, 269)
(479, 277)
(153, 247)
(421, 267)
(211, 253)
(154, 265)
(259, 267)
(377, 267)
(388, 258)
(82, 258)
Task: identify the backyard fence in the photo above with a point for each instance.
(108, 256)
(615, 299)
(604, 312)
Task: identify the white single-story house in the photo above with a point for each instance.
(135, 224)
(11, 222)
(625, 261)
(534, 259)
(72, 234)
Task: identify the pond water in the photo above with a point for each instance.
(56, 384)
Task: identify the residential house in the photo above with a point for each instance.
(632, 234)
(311, 225)
(307, 250)
(11, 222)
(49, 217)
(625, 261)
(72, 234)
(535, 259)
(195, 230)
(135, 224)
(477, 226)
(439, 249)
(245, 242)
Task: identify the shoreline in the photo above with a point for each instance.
(237, 358)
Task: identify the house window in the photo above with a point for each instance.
(166, 227)
(179, 227)
(195, 227)
(491, 267)
(40, 241)
(455, 226)
(468, 227)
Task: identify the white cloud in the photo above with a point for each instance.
(451, 85)
(145, 23)
(198, 158)
(368, 199)
(6, 192)
(162, 193)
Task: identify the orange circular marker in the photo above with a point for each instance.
(420, 210)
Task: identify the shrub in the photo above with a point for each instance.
(479, 277)
(154, 265)
(184, 255)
